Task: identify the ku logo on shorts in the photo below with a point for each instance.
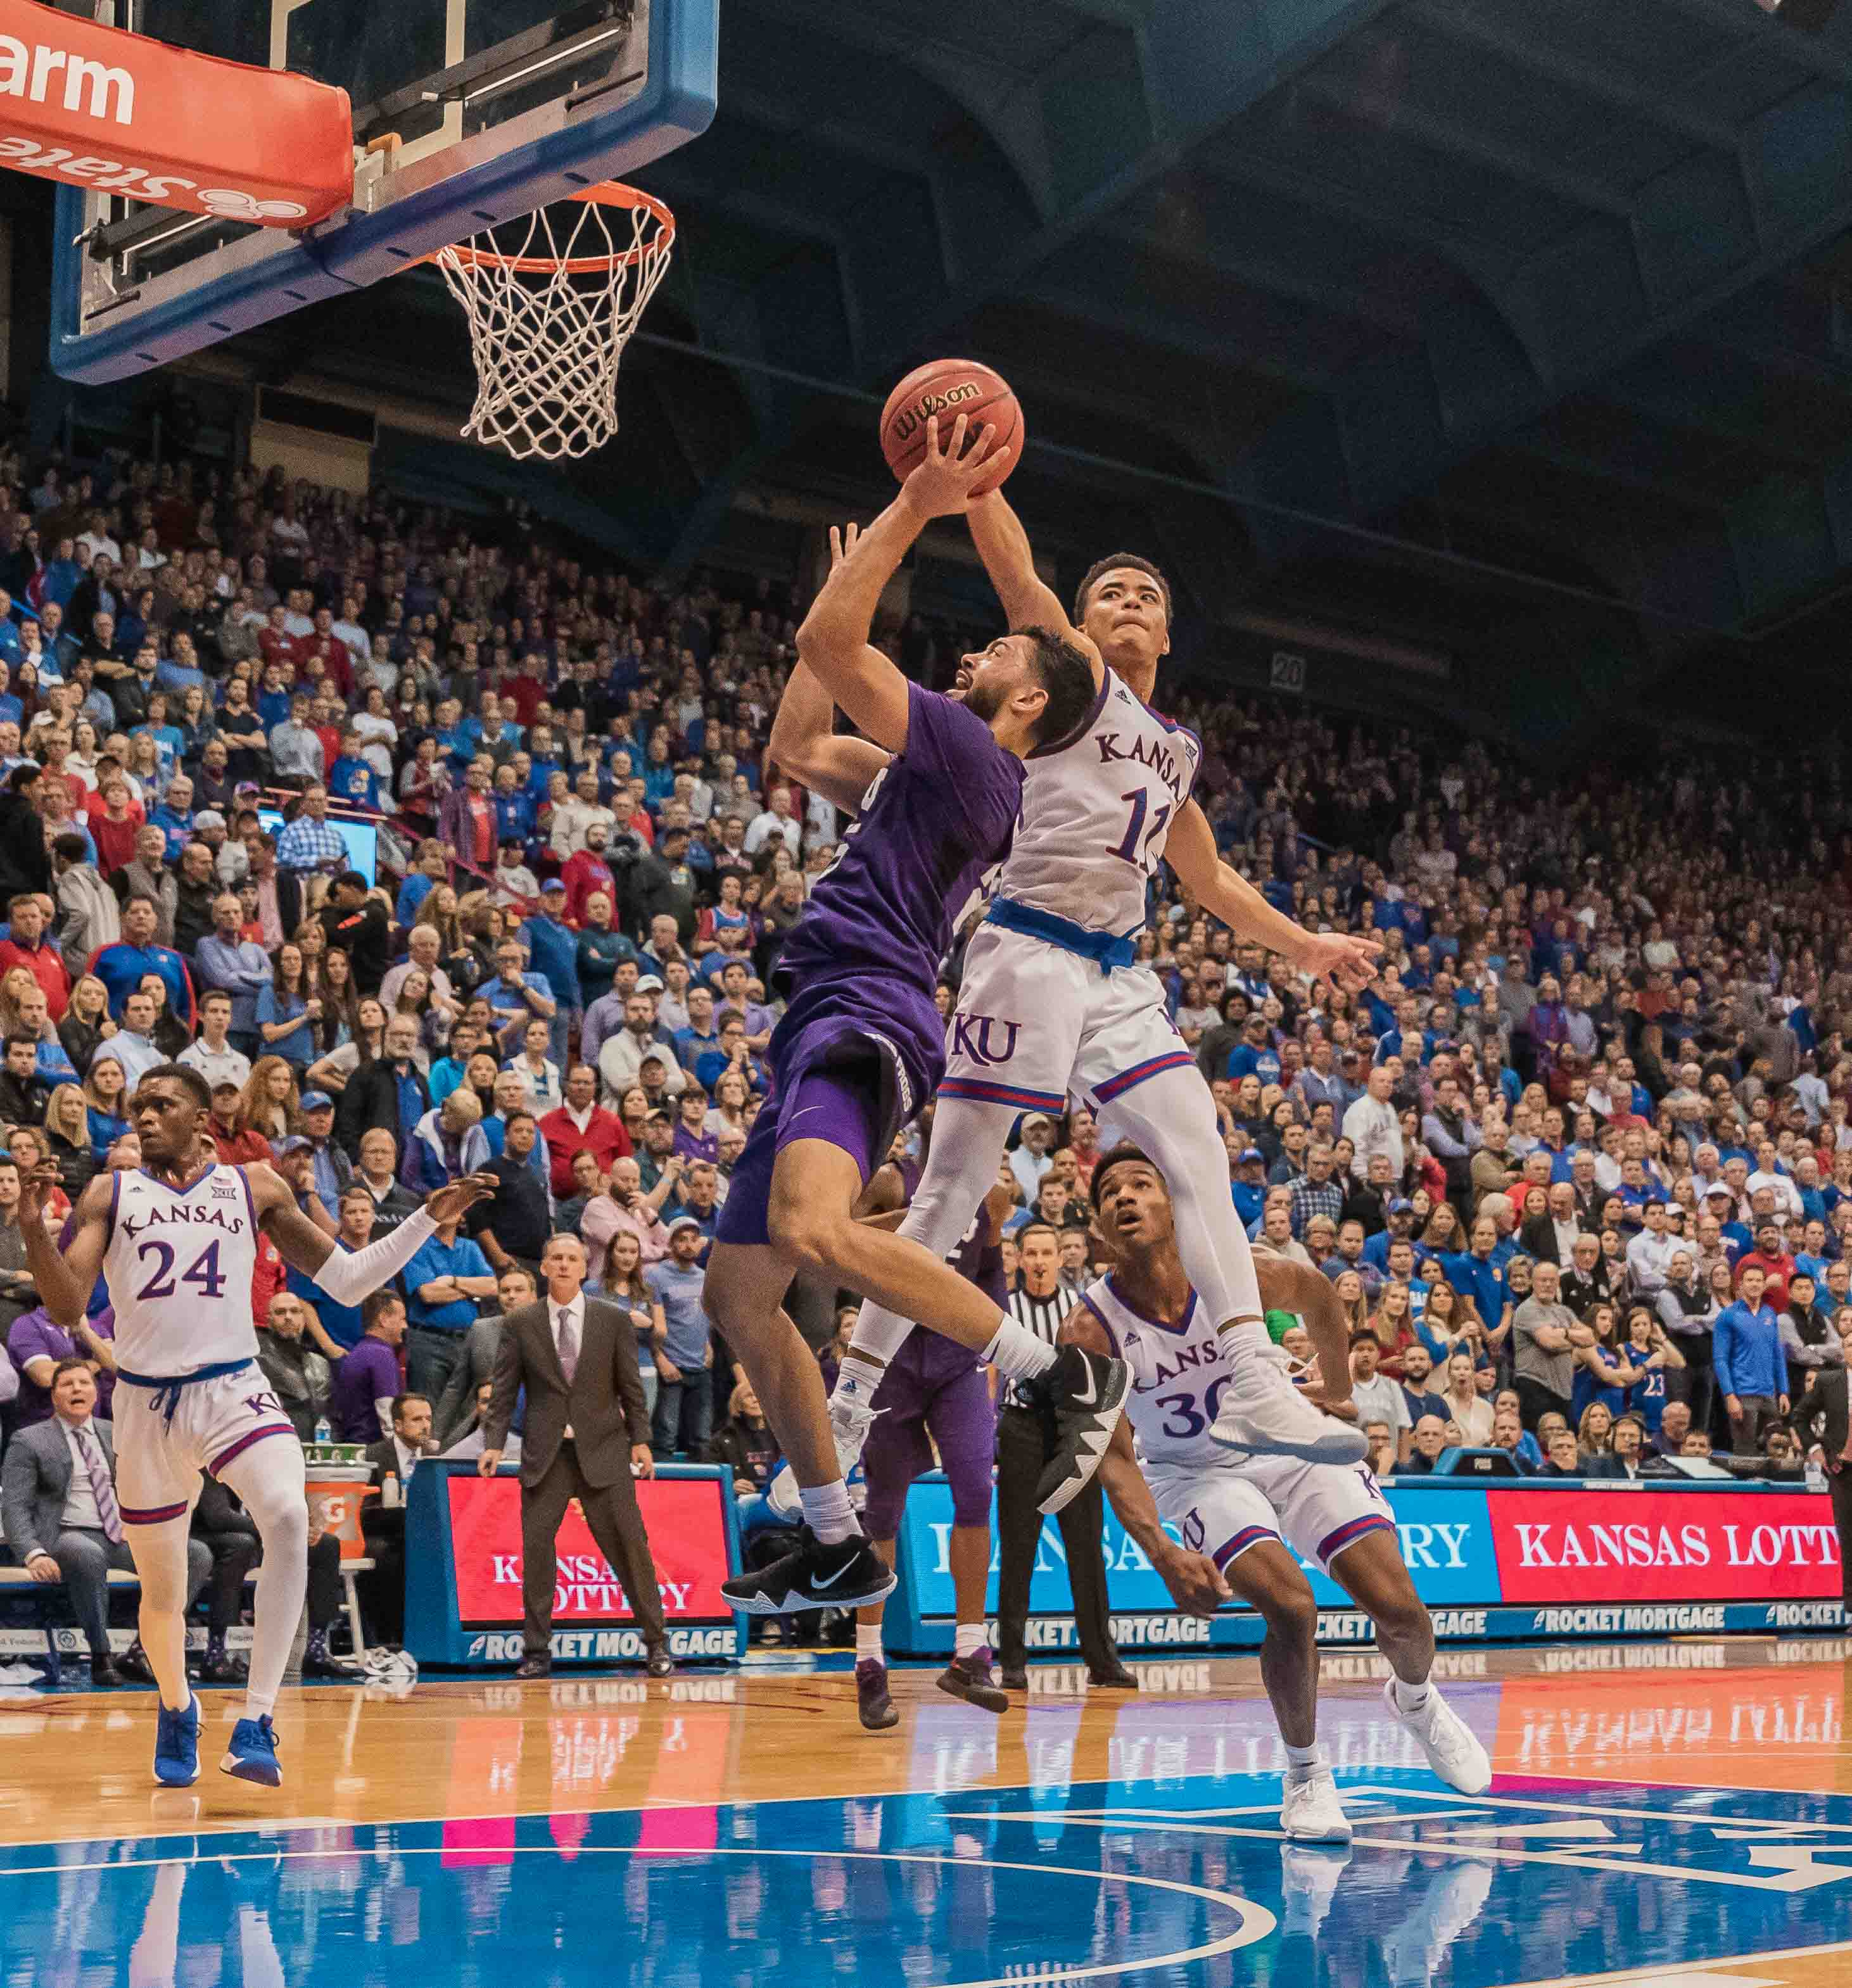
(986, 1039)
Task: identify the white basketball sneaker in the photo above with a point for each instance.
(1263, 1415)
(1453, 1751)
(1310, 1811)
(848, 1424)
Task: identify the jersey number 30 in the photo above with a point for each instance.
(1182, 1408)
(205, 1273)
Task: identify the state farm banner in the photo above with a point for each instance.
(124, 113)
(685, 1521)
(1638, 1545)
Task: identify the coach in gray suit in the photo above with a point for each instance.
(58, 1499)
(586, 1433)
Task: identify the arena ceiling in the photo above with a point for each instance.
(1555, 287)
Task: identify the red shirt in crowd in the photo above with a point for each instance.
(45, 963)
(603, 1137)
(115, 840)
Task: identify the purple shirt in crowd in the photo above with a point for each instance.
(33, 1336)
(369, 1374)
(938, 815)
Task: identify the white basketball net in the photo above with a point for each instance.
(548, 319)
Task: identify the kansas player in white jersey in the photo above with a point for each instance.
(1243, 1513)
(177, 1240)
(1052, 1002)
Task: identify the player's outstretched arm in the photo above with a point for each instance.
(348, 1276)
(804, 741)
(1288, 1286)
(1028, 601)
(66, 1273)
(1346, 959)
(1196, 1584)
(833, 639)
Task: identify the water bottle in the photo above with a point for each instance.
(324, 1432)
(1816, 1475)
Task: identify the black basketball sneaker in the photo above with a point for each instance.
(849, 1574)
(1084, 1392)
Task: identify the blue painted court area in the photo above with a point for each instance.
(1151, 1879)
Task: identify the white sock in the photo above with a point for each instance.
(967, 1639)
(1244, 1339)
(868, 1643)
(1017, 1353)
(856, 1381)
(1305, 1756)
(1411, 1697)
(828, 1512)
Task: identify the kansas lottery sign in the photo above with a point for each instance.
(1514, 1561)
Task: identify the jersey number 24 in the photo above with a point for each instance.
(205, 1274)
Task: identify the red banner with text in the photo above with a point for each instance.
(98, 107)
(1672, 1546)
(685, 1519)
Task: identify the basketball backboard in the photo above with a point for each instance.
(466, 113)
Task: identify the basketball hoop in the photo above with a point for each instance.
(550, 311)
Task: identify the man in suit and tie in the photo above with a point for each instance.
(58, 1497)
(587, 1433)
(394, 1458)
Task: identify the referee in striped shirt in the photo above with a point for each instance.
(1025, 1443)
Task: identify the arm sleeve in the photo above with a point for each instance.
(347, 1278)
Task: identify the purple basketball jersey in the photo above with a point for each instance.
(979, 1260)
(935, 818)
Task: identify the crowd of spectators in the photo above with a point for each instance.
(1579, 1162)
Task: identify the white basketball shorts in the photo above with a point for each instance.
(158, 1459)
(1319, 1508)
(1035, 1022)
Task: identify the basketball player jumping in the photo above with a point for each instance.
(1052, 1001)
(1243, 1513)
(177, 1241)
(861, 1043)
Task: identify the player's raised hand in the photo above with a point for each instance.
(452, 1203)
(36, 1188)
(1195, 1582)
(1339, 959)
(952, 466)
(842, 543)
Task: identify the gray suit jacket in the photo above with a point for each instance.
(35, 1480)
(457, 1409)
(604, 1405)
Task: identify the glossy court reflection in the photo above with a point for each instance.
(1672, 1808)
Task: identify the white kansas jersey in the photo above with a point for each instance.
(179, 1266)
(1177, 1377)
(1096, 814)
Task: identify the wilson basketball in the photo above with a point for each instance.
(948, 388)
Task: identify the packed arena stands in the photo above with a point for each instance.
(434, 848)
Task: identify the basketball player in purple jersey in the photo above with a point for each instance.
(935, 1396)
(861, 1046)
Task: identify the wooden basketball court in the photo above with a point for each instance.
(1679, 1813)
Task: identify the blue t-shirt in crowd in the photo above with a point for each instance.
(678, 1292)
